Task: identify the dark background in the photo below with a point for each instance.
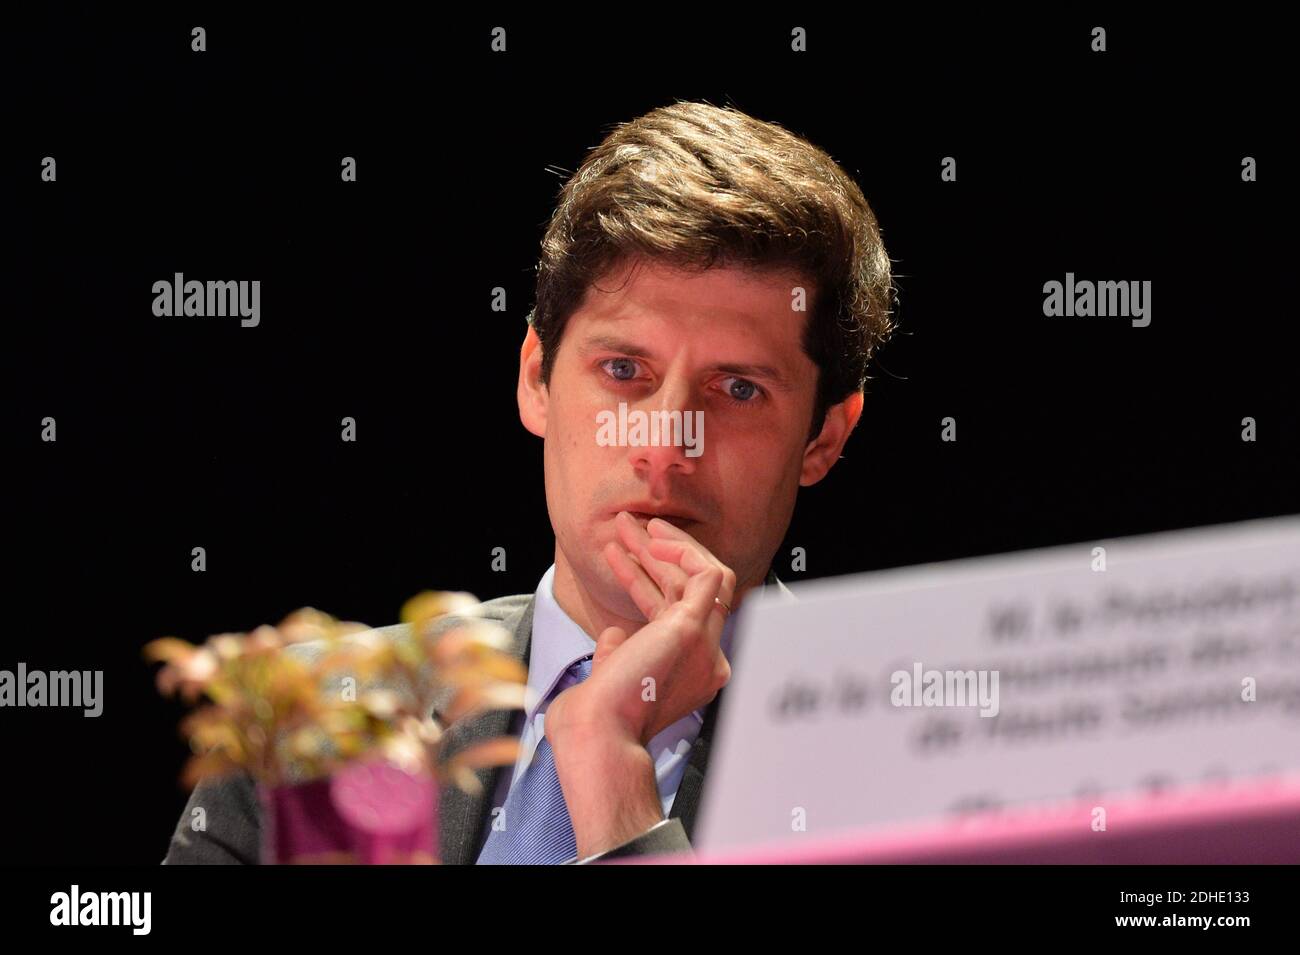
(183, 432)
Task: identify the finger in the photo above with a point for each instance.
(630, 575)
(667, 575)
(658, 527)
(701, 592)
(633, 578)
(610, 639)
(692, 561)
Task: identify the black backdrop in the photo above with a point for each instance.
(183, 432)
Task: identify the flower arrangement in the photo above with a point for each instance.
(339, 725)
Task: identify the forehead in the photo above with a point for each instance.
(727, 304)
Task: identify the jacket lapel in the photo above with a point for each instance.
(461, 815)
(687, 800)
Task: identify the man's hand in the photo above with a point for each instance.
(640, 684)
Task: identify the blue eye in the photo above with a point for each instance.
(624, 364)
(741, 391)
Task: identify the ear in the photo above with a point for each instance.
(824, 450)
(530, 392)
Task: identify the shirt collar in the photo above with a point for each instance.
(558, 643)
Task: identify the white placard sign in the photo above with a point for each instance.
(908, 695)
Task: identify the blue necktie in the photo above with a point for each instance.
(537, 830)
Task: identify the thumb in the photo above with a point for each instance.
(609, 641)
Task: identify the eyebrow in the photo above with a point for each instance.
(740, 369)
(609, 343)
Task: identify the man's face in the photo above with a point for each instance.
(725, 342)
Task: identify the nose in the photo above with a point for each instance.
(666, 410)
(657, 463)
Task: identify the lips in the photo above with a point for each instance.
(644, 511)
(672, 519)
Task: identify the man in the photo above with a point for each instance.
(701, 267)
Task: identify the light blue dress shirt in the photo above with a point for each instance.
(557, 643)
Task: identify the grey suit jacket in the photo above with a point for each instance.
(232, 813)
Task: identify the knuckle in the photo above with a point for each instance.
(680, 618)
(721, 674)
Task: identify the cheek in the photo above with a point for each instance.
(760, 464)
(564, 425)
(578, 419)
(572, 455)
(761, 485)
